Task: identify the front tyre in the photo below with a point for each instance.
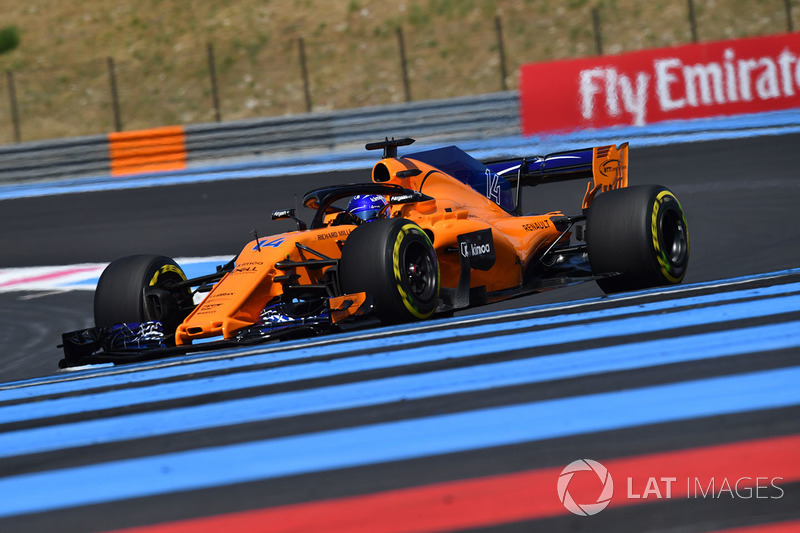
(393, 261)
(639, 232)
(139, 288)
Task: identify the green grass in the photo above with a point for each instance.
(159, 46)
(9, 39)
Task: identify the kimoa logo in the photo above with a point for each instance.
(478, 249)
(472, 249)
(585, 509)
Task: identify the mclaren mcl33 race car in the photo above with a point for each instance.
(450, 234)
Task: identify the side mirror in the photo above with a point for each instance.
(287, 214)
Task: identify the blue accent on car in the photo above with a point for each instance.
(275, 319)
(136, 336)
(457, 163)
(274, 243)
(564, 162)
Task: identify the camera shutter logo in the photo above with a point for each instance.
(585, 509)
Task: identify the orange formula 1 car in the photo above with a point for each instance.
(434, 232)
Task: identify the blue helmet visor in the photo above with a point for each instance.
(367, 214)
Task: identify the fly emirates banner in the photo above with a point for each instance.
(694, 81)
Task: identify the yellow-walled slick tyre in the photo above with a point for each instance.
(138, 288)
(639, 232)
(393, 261)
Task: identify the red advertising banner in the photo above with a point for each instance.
(693, 81)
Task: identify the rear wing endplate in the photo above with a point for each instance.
(609, 171)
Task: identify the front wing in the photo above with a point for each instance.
(142, 341)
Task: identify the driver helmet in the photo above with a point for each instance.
(367, 207)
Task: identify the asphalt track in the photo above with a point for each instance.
(464, 423)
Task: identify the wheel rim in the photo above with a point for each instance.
(154, 307)
(673, 236)
(420, 270)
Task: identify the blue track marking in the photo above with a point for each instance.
(143, 374)
(389, 359)
(96, 372)
(403, 388)
(395, 441)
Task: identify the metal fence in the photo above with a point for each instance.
(235, 79)
(484, 116)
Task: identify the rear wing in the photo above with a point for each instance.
(606, 166)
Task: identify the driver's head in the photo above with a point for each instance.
(367, 207)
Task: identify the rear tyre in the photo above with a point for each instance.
(640, 232)
(137, 288)
(393, 261)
